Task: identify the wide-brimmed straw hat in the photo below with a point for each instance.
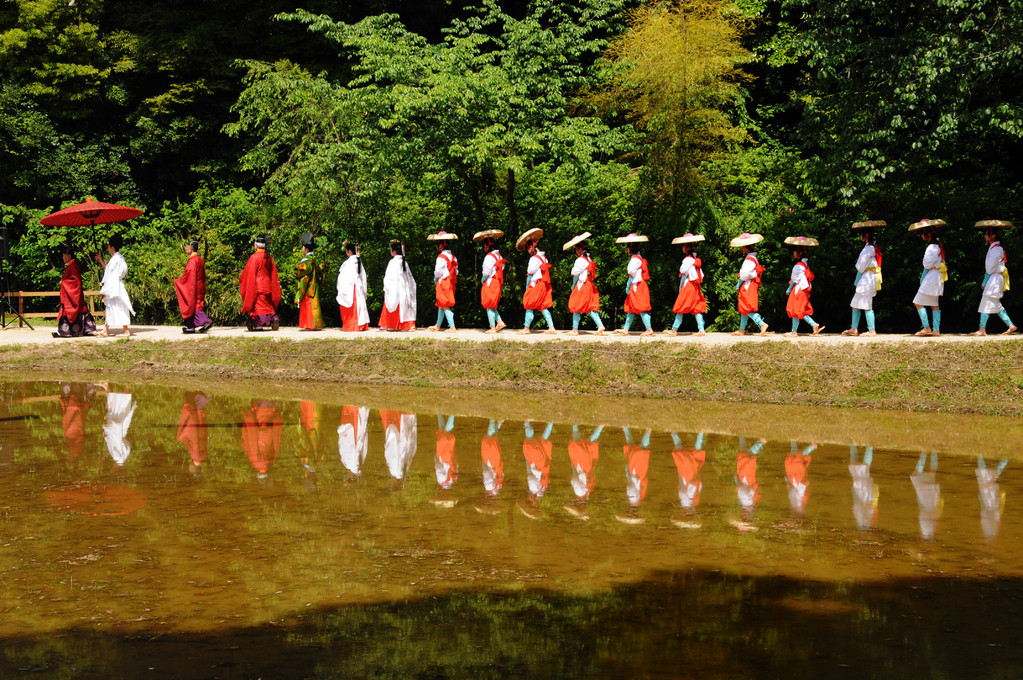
(688, 238)
(993, 224)
(577, 239)
(801, 241)
(923, 224)
(487, 233)
(632, 238)
(745, 240)
(533, 234)
(442, 236)
(869, 224)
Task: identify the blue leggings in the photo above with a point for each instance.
(1003, 315)
(856, 319)
(936, 326)
(644, 316)
(593, 315)
(757, 319)
(807, 318)
(546, 317)
(678, 322)
(493, 317)
(445, 313)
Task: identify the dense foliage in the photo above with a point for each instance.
(371, 121)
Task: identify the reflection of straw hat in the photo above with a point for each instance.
(688, 238)
(686, 523)
(533, 234)
(869, 224)
(630, 518)
(444, 502)
(487, 507)
(577, 511)
(745, 240)
(529, 509)
(993, 224)
(923, 224)
(801, 241)
(487, 233)
(442, 236)
(632, 238)
(577, 239)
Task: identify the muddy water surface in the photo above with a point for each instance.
(214, 533)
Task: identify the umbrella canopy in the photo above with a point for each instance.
(90, 213)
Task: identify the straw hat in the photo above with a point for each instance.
(442, 236)
(801, 241)
(745, 240)
(993, 224)
(923, 224)
(533, 234)
(487, 233)
(869, 224)
(632, 238)
(578, 239)
(688, 238)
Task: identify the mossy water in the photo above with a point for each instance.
(234, 533)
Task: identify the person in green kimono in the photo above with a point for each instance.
(307, 296)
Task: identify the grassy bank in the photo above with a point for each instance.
(953, 377)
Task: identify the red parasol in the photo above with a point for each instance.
(90, 213)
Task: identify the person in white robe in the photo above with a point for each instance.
(120, 408)
(399, 312)
(867, 281)
(351, 291)
(932, 281)
(996, 279)
(117, 305)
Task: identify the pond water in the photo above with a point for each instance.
(154, 530)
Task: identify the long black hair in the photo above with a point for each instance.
(353, 249)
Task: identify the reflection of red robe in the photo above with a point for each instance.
(490, 451)
(192, 431)
(75, 411)
(584, 454)
(797, 472)
(72, 298)
(191, 287)
(538, 457)
(746, 471)
(637, 462)
(261, 434)
(688, 463)
(260, 287)
(448, 461)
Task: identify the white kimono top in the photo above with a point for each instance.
(400, 289)
(351, 287)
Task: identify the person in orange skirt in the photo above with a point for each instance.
(584, 298)
(307, 295)
(690, 298)
(583, 454)
(351, 291)
(445, 275)
(537, 452)
(399, 312)
(637, 300)
(538, 295)
(798, 307)
(797, 476)
(749, 283)
(493, 277)
(688, 464)
(746, 486)
(493, 466)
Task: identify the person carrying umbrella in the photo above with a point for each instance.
(260, 288)
(117, 305)
(932, 280)
(690, 299)
(749, 283)
(538, 295)
(191, 291)
(584, 298)
(74, 320)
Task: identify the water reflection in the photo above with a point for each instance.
(400, 442)
(928, 494)
(353, 438)
(192, 430)
(75, 400)
(583, 454)
(309, 447)
(865, 490)
(537, 451)
(797, 476)
(637, 465)
(262, 427)
(688, 463)
(992, 499)
(493, 465)
(120, 409)
(445, 462)
(747, 489)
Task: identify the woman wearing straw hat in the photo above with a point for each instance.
(445, 275)
(538, 295)
(493, 276)
(399, 311)
(996, 278)
(798, 306)
(932, 281)
(749, 283)
(584, 298)
(637, 299)
(868, 278)
(351, 291)
(690, 298)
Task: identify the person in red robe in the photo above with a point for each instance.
(192, 429)
(262, 426)
(260, 288)
(191, 291)
(637, 290)
(445, 277)
(748, 286)
(74, 320)
(539, 292)
(493, 277)
(690, 299)
(798, 306)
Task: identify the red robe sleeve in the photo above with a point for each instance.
(275, 284)
(186, 289)
(72, 301)
(247, 284)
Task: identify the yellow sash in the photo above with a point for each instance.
(877, 277)
(944, 271)
(1005, 276)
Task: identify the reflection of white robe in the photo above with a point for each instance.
(863, 495)
(351, 287)
(352, 442)
(116, 303)
(928, 497)
(400, 290)
(400, 444)
(990, 501)
(120, 408)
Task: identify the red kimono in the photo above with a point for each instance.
(446, 464)
(798, 304)
(797, 475)
(688, 463)
(490, 292)
(75, 410)
(446, 286)
(690, 298)
(538, 464)
(262, 426)
(637, 462)
(192, 429)
(260, 287)
(638, 299)
(584, 454)
(585, 298)
(540, 294)
(72, 298)
(749, 291)
(493, 466)
(191, 287)
(746, 479)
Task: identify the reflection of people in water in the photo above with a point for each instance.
(865, 492)
(75, 400)
(400, 441)
(309, 440)
(493, 468)
(583, 454)
(353, 438)
(120, 408)
(797, 476)
(992, 500)
(688, 463)
(537, 451)
(746, 486)
(262, 426)
(446, 462)
(928, 494)
(192, 429)
(637, 461)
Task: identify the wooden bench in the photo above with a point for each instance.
(90, 297)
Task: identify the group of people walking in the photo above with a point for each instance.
(260, 288)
